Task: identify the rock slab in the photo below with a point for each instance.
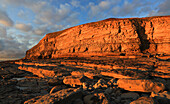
(64, 96)
(141, 85)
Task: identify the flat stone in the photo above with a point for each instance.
(65, 96)
(141, 85)
(88, 99)
(74, 80)
(144, 100)
(78, 101)
(130, 95)
(96, 98)
(89, 75)
(108, 91)
(77, 73)
(114, 75)
(54, 82)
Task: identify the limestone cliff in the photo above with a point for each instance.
(128, 36)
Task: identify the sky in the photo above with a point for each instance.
(23, 23)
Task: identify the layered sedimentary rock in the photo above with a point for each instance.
(128, 36)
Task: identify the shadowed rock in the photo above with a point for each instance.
(65, 96)
(144, 100)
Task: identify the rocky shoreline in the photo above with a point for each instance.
(113, 61)
(86, 80)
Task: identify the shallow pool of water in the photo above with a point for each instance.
(22, 88)
(18, 79)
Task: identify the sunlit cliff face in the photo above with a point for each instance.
(126, 36)
(23, 23)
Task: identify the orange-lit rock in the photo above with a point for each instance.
(113, 74)
(129, 35)
(65, 96)
(141, 85)
(38, 71)
(144, 100)
(74, 80)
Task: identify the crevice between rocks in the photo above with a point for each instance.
(145, 44)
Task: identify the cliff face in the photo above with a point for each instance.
(129, 36)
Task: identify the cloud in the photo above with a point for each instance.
(44, 29)
(5, 20)
(45, 18)
(57, 27)
(104, 5)
(3, 32)
(127, 8)
(21, 13)
(46, 13)
(135, 8)
(101, 9)
(40, 31)
(1, 45)
(53, 15)
(164, 8)
(25, 14)
(15, 45)
(10, 48)
(12, 53)
(23, 27)
(75, 3)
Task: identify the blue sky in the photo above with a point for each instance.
(24, 22)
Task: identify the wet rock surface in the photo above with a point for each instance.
(134, 80)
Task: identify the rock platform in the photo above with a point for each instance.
(86, 80)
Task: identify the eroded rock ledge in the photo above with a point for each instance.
(90, 80)
(128, 62)
(129, 36)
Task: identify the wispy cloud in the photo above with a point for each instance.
(164, 8)
(4, 19)
(23, 27)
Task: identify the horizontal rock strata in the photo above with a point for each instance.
(114, 61)
(108, 80)
(141, 85)
(129, 36)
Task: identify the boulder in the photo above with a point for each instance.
(89, 75)
(64, 96)
(130, 95)
(114, 75)
(78, 101)
(77, 73)
(162, 97)
(108, 91)
(96, 98)
(144, 100)
(141, 85)
(100, 84)
(55, 81)
(74, 80)
(88, 99)
(112, 82)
